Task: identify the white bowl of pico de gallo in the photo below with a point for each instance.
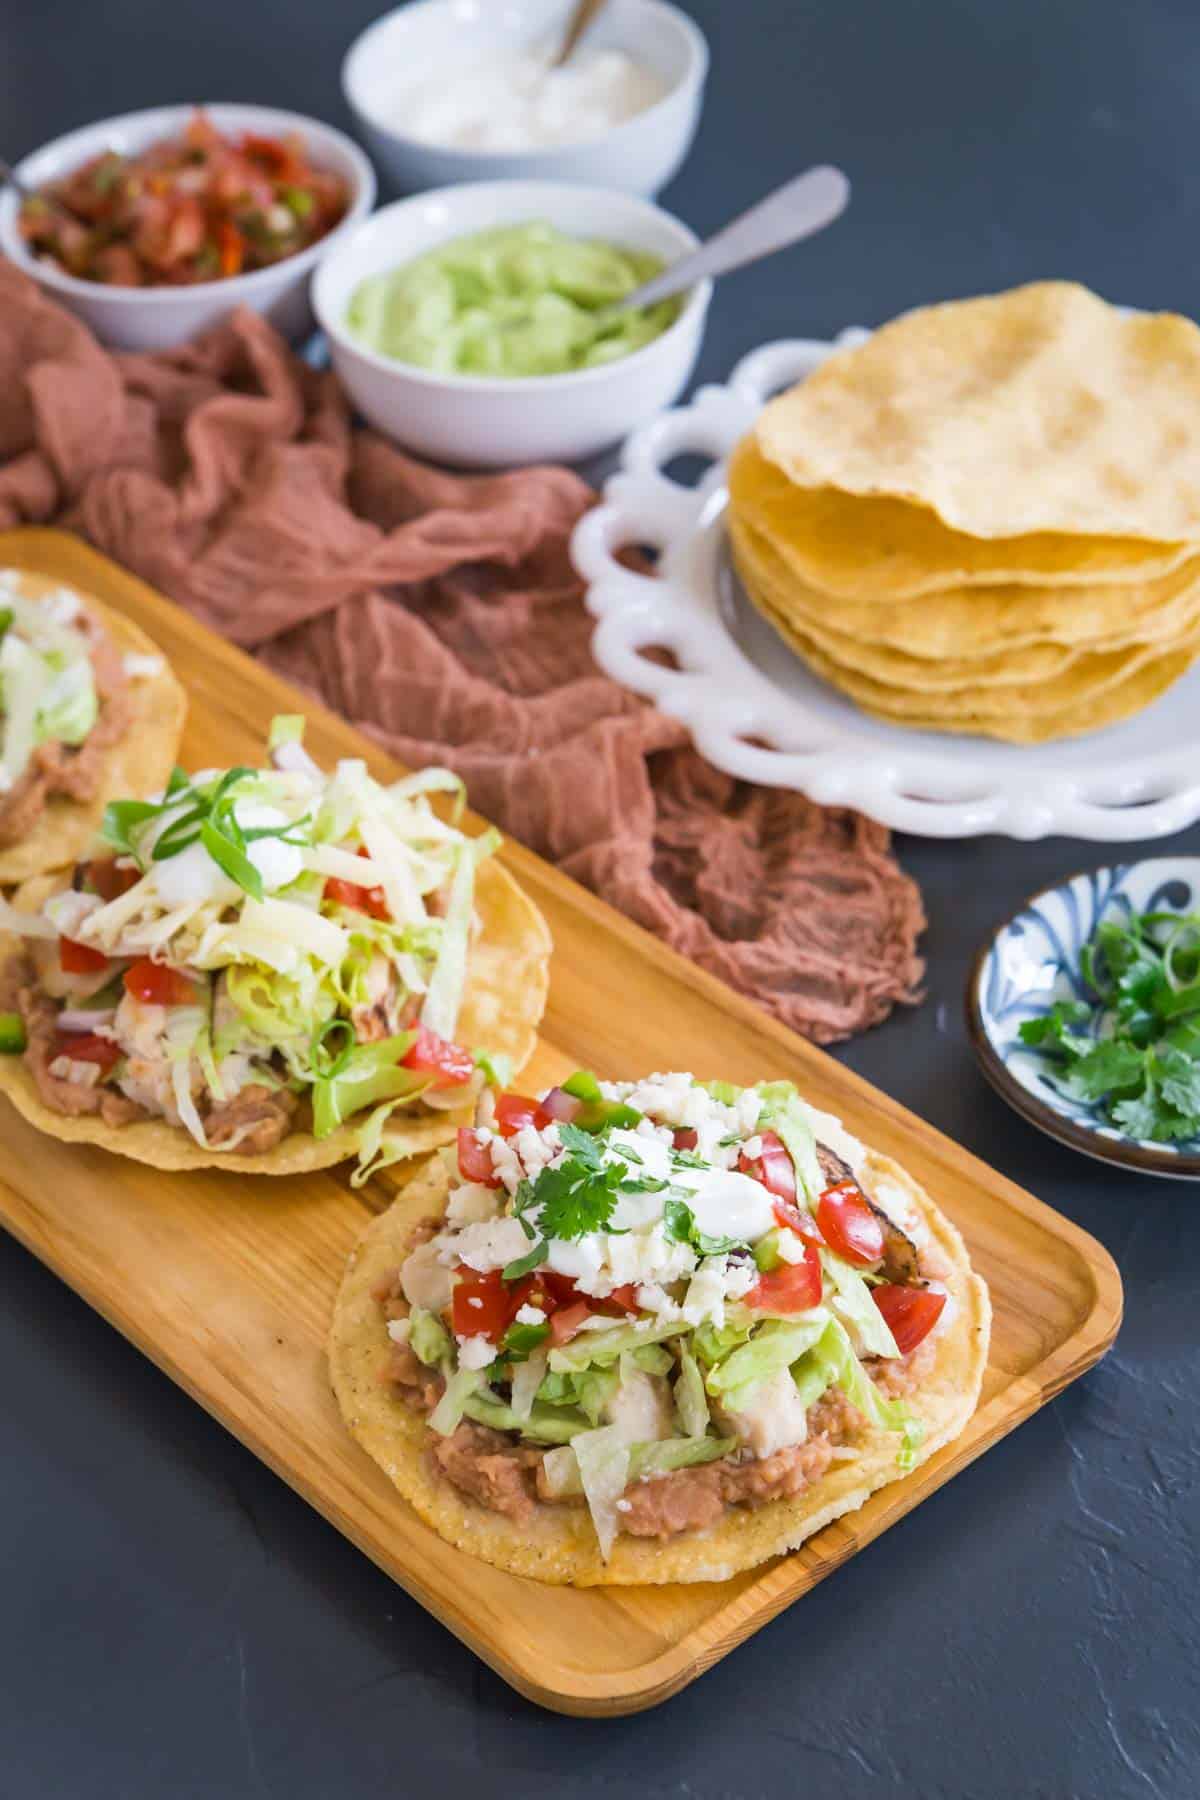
(155, 226)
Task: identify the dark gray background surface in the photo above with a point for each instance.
(175, 1621)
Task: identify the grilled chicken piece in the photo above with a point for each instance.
(901, 1263)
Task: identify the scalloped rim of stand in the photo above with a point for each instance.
(748, 725)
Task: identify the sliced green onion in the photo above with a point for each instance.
(235, 863)
(513, 1271)
(329, 1063)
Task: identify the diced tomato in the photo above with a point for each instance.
(483, 1305)
(475, 1159)
(560, 1289)
(791, 1288)
(622, 1300)
(515, 1111)
(557, 1296)
(849, 1226)
(80, 959)
(270, 152)
(911, 1313)
(362, 899)
(774, 1167)
(157, 985)
(105, 878)
(85, 1046)
(565, 1323)
(685, 1138)
(369, 900)
(432, 1055)
(231, 247)
(500, 1301)
(797, 1219)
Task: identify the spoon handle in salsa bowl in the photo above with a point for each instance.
(801, 207)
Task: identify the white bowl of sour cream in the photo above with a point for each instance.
(460, 90)
(495, 421)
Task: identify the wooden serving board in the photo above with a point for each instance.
(227, 1282)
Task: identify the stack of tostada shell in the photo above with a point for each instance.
(986, 518)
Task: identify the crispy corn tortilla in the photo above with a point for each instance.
(1111, 688)
(138, 763)
(873, 548)
(1093, 690)
(559, 1545)
(1043, 409)
(507, 981)
(981, 621)
(987, 667)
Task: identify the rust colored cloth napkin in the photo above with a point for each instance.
(440, 613)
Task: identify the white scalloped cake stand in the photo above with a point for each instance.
(755, 710)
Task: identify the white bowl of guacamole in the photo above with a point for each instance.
(469, 324)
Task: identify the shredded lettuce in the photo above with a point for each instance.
(603, 1459)
(69, 705)
(527, 1378)
(854, 1305)
(369, 1075)
(433, 781)
(286, 728)
(783, 1114)
(588, 1391)
(23, 678)
(443, 997)
(691, 1401)
(712, 1343)
(184, 1027)
(602, 1348)
(775, 1345)
(461, 1387)
(836, 1353)
(374, 1150)
(563, 1474)
(676, 1453)
(542, 1425)
(275, 1007)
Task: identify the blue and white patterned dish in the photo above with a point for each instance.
(1031, 962)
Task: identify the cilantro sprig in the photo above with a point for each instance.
(679, 1224)
(1132, 1047)
(574, 1197)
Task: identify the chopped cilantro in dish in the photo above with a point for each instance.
(1131, 1047)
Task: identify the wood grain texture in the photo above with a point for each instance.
(227, 1283)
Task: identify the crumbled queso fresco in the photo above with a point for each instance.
(635, 1250)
